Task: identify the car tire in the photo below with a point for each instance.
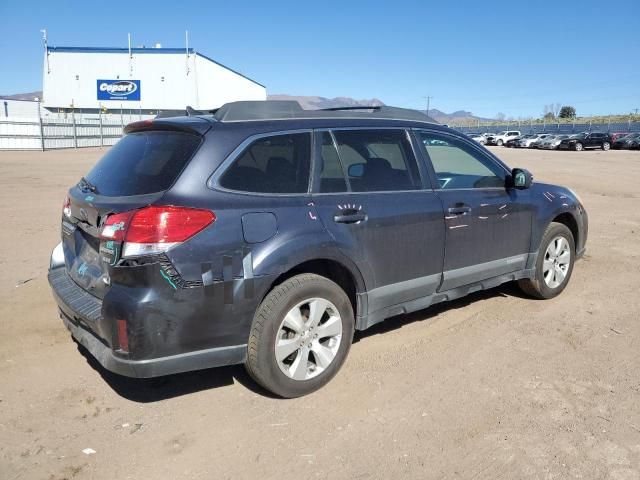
(578, 147)
(499, 143)
(280, 326)
(606, 146)
(554, 264)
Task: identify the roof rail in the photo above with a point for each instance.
(291, 109)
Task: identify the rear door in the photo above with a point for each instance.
(488, 227)
(132, 174)
(369, 194)
(595, 139)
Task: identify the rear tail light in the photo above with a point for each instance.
(115, 226)
(66, 207)
(155, 229)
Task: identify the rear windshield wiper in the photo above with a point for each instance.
(86, 185)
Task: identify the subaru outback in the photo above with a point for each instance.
(265, 234)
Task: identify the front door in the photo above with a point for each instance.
(368, 194)
(488, 227)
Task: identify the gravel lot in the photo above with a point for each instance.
(491, 386)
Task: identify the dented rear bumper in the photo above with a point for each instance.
(171, 326)
(154, 367)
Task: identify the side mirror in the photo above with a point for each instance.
(356, 170)
(520, 179)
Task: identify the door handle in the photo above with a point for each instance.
(459, 210)
(350, 217)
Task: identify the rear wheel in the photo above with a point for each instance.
(554, 264)
(300, 336)
(606, 146)
(578, 147)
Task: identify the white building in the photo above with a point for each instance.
(18, 108)
(143, 80)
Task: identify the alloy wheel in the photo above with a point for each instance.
(308, 339)
(557, 260)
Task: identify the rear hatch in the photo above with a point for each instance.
(133, 174)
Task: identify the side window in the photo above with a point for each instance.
(276, 164)
(377, 160)
(459, 165)
(331, 173)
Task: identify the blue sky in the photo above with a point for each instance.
(486, 57)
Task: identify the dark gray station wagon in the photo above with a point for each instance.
(265, 234)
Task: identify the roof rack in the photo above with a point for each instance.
(291, 109)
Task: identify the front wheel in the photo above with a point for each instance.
(500, 142)
(300, 336)
(578, 147)
(554, 264)
(606, 146)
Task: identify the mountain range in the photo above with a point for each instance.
(22, 96)
(313, 103)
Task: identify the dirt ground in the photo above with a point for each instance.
(491, 386)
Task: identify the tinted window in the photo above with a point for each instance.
(276, 164)
(331, 173)
(377, 160)
(459, 165)
(141, 163)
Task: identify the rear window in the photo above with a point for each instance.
(142, 163)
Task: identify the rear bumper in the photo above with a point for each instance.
(214, 357)
(91, 322)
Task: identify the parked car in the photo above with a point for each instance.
(228, 238)
(490, 139)
(580, 141)
(481, 138)
(615, 136)
(552, 142)
(503, 136)
(476, 137)
(512, 143)
(525, 140)
(539, 139)
(630, 141)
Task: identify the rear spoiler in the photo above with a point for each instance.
(195, 125)
(187, 112)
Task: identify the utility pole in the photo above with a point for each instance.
(428, 102)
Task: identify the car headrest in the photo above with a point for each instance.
(376, 164)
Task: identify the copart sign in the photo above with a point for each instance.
(119, 90)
